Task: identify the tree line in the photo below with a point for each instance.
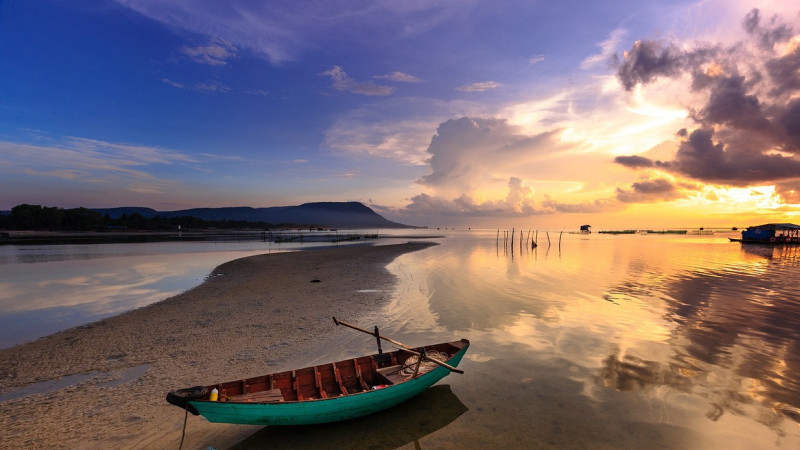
(51, 218)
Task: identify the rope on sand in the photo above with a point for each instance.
(185, 418)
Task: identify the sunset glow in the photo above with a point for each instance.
(621, 114)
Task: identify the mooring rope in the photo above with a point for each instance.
(185, 418)
(426, 366)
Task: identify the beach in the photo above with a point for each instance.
(251, 316)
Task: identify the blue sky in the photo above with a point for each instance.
(459, 113)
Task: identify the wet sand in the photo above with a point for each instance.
(252, 316)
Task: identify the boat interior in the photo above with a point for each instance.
(336, 379)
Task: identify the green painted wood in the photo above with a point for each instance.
(323, 410)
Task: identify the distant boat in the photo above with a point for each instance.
(771, 234)
(327, 392)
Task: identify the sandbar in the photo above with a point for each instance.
(251, 316)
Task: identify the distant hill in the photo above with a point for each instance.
(323, 214)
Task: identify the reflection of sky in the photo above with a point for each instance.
(46, 288)
(38, 297)
(704, 330)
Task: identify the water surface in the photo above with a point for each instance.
(603, 342)
(608, 342)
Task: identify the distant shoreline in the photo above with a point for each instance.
(117, 237)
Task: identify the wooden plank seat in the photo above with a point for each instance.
(392, 374)
(272, 395)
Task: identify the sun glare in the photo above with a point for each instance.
(727, 199)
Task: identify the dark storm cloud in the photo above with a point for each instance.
(790, 121)
(700, 157)
(634, 161)
(730, 104)
(785, 72)
(647, 191)
(767, 37)
(748, 126)
(648, 60)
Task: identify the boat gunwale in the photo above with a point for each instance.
(460, 345)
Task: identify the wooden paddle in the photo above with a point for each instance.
(400, 344)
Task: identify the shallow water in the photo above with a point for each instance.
(48, 288)
(603, 342)
(612, 342)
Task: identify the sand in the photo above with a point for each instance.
(251, 316)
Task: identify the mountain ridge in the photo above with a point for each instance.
(327, 214)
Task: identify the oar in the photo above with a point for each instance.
(400, 344)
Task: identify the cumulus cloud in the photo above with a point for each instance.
(747, 110)
(479, 87)
(519, 202)
(466, 152)
(343, 82)
(471, 153)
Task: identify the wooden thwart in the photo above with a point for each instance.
(272, 395)
(392, 374)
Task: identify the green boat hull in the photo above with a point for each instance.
(323, 410)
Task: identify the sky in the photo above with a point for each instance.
(527, 114)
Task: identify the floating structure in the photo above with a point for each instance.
(617, 232)
(666, 231)
(586, 229)
(771, 233)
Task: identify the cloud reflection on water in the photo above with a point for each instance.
(40, 297)
(735, 340)
(701, 329)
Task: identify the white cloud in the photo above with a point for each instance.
(468, 152)
(343, 82)
(93, 162)
(479, 87)
(215, 53)
(519, 202)
(608, 49)
(536, 59)
(282, 31)
(396, 128)
(173, 83)
(400, 77)
(211, 86)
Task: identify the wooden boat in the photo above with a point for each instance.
(327, 392)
